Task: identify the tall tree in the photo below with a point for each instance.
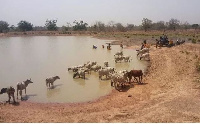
(146, 24)
(51, 25)
(173, 24)
(3, 26)
(25, 26)
(80, 26)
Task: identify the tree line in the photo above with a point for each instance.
(146, 25)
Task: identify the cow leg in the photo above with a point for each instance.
(13, 96)
(111, 83)
(8, 97)
(17, 93)
(25, 90)
(130, 78)
(139, 79)
(136, 79)
(20, 93)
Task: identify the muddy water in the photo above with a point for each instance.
(40, 57)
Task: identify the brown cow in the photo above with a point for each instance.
(135, 73)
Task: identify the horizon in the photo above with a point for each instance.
(91, 11)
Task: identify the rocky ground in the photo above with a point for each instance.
(170, 93)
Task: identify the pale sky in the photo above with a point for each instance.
(90, 11)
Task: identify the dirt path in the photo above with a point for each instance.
(170, 94)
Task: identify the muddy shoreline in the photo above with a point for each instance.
(169, 94)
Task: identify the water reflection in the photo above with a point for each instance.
(53, 92)
(80, 82)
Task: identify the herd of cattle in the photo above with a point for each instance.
(118, 79)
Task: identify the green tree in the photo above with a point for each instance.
(3, 26)
(51, 25)
(25, 26)
(173, 24)
(195, 26)
(146, 24)
(12, 28)
(80, 26)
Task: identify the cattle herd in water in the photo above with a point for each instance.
(119, 79)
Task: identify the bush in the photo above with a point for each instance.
(189, 39)
(194, 41)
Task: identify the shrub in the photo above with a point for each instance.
(194, 41)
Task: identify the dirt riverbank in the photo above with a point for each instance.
(170, 93)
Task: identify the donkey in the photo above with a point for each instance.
(21, 86)
(50, 81)
(10, 91)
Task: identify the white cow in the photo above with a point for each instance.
(119, 58)
(120, 53)
(105, 64)
(95, 67)
(145, 56)
(120, 77)
(127, 58)
(105, 72)
(145, 50)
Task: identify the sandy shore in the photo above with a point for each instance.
(170, 93)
